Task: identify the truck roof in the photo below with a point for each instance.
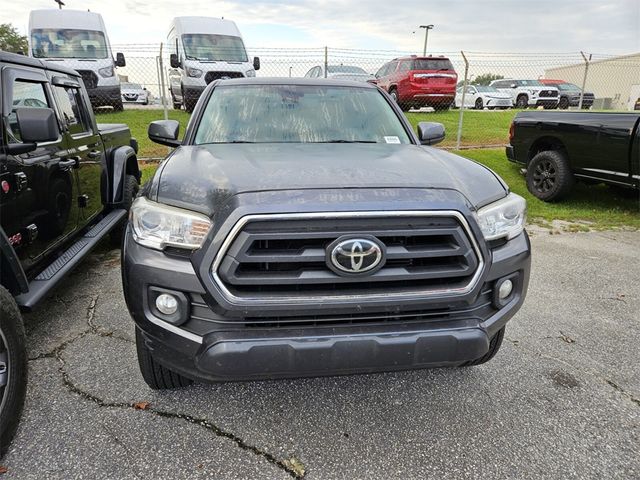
(71, 19)
(6, 57)
(212, 25)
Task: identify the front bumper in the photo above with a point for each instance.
(546, 102)
(227, 349)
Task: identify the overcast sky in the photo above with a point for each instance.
(598, 26)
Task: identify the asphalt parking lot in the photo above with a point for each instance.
(560, 400)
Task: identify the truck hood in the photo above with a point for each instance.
(202, 178)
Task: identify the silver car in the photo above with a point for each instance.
(134, 93)
(341, 72)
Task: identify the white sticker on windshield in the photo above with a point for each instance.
(392, 139)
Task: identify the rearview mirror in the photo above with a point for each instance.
(120, 61)
(430, 133)
(37, 125)
(256, 63)
(173, 60)
(165, 132)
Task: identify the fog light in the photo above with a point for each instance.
(504, 291)
(168, 304)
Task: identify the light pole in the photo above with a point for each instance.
(426, 37)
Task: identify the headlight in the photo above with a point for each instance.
(106, 72)
(251, 73)
(532, 92)
(504, 218)
(158, 226)
(194, 72)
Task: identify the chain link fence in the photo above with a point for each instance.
(476, 116)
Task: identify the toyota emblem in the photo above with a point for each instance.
(356, 255)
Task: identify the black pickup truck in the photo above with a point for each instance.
(558, 148)
(65, 183)
(302, 228)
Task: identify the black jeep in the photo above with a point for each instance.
(65, 183)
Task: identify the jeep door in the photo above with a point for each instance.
(38, 207)
(83, 144)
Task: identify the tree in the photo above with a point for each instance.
(486, 78)
(11, 40)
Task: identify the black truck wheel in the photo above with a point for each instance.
(563, 104)
(494, 346)
(155, 375)
(479, 105)
(117, 106)
(549, 176)
(13, 368)
(130, 191)
(522, 101)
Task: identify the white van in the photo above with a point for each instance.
(78, 40)
(204, 49)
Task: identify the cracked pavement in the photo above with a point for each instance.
(560, 400)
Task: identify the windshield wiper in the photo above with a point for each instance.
(347, 141)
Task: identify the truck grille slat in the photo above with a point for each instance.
(288, 257)
(211, 76)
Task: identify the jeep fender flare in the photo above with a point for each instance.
(121, 161)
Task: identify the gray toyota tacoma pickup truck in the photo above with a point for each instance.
(302, 228)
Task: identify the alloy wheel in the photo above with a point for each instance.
(544, 176)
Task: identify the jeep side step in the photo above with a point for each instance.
(47, 280)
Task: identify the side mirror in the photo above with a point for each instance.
(173, 60)
(120, 61)
(165, 132)
(256, 63)
(37, 125)
(430, 133)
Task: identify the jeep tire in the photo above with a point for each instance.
(13, 368)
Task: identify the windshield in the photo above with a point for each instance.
(345, 69)
(529, 83)
(431, 64)
(486, 89)
(298, 114)
(68, 43)
(209, 47)
(567, 87)
(132, 86)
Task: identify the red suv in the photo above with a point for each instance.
(419, 82)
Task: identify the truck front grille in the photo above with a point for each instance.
(211, 76)
(548, 93)
(273, 259)
(89, 78)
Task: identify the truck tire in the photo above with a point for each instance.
(130, 191)
(522, 101)
(155, 375)
(117, 106)
(189, 105)
(549, 176)
(479, 105)
(563, 104)
(494, 346)
(13, 368)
